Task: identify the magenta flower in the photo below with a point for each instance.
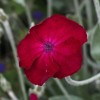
(53, 48)
(33, 97)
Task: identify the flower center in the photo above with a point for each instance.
(48, 47)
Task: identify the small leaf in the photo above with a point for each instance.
(95, 44)
(72, 97)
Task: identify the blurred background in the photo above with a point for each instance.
(14, 25)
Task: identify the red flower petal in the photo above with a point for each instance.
(41, 70)
(28, 50)
(66, 27)
(59, 29)
(33, 97)
(53, 48)
(67, 48)
(68, 65)
(42, 30)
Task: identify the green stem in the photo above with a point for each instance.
(97, 8)
(11, 39)
(28, 13)
(89, 14)
(62, 89)
(77, 9)
(84, 47)
(49, 8)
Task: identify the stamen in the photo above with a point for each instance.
(48, 47)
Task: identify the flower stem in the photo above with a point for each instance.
(12, 95)
(62, 89)
(80, 83)
(93, 64)
(82, 5)
(49, 8)
(97, 8)
(76, 3)
(88, 13)
(11, 39)
(77, 9)
(28, 13)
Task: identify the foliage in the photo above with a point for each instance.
(18, 20)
